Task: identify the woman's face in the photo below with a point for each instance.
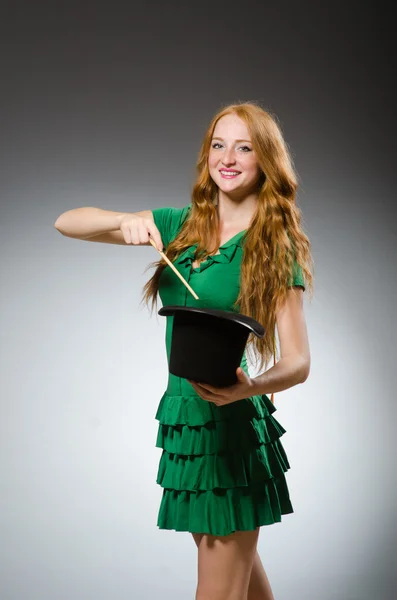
(232, 161)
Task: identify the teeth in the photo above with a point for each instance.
(230, 172)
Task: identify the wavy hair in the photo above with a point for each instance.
(274, 239)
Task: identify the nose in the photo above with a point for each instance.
(228, 158)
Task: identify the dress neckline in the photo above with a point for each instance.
(232, 238)
(224, 254)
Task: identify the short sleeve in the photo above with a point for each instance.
(169, 220)
(297, 276)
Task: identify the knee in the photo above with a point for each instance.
(220, 591)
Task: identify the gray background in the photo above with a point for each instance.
(105, 105)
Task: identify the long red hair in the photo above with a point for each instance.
(274, 240)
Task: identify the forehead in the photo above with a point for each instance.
(231, 126)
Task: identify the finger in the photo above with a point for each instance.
(205, 386)
(204, 393)
(126, 233)
(155, 234)
(195, 384)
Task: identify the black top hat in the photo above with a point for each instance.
(207, 345)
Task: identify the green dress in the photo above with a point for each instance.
(222, 469)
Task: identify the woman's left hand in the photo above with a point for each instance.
(226, 395)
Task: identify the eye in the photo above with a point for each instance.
(215, 144)
(246, 148)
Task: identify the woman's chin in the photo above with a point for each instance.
(232, 188)
(229, 185)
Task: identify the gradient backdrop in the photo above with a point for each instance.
(106, 105)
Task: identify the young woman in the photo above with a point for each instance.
(240, 245)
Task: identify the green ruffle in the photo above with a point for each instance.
(223, 511)
(222, 468)
(218, 436)
(232, 469)
(193, 410)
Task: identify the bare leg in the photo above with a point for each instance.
(259, 586)
(225, 564)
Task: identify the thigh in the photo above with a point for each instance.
(197, 538)
(225, 563)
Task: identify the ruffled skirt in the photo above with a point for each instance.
(222, 469)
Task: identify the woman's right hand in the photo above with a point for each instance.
(136, 230)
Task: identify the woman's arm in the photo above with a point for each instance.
(95, 224)
(294, 364)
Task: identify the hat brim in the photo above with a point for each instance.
(251, 324)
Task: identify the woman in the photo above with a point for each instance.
(240, 245)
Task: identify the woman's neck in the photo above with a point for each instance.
(236, 214)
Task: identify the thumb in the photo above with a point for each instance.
(240, 373)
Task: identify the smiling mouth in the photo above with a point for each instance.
(229, 174)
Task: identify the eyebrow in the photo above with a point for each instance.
(219, 138)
